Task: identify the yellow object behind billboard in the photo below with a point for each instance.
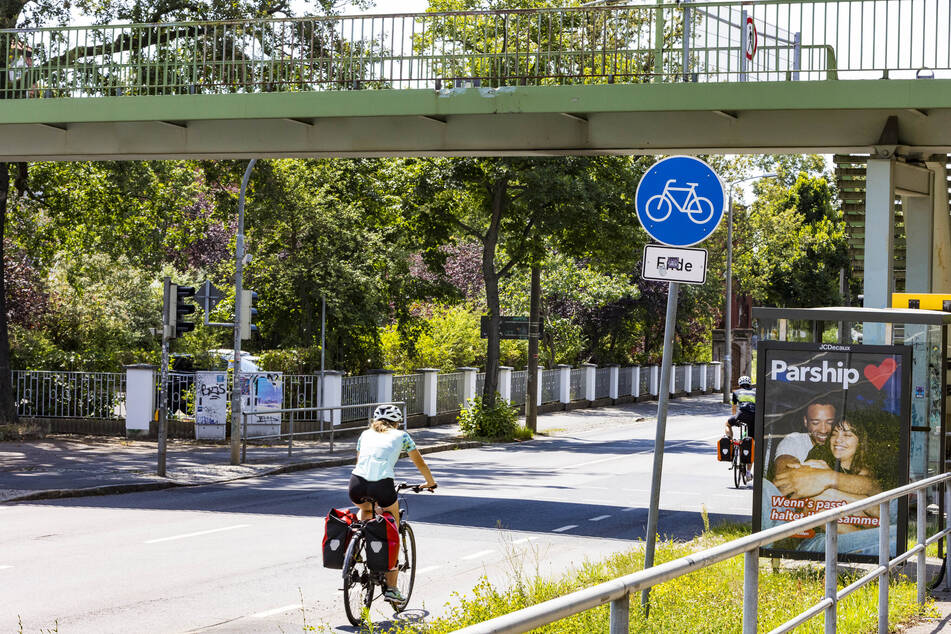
(924, 301)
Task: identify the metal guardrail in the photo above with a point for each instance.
(698, 41)
(617, 591)
(294, 411)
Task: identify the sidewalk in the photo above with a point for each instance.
(72, 466)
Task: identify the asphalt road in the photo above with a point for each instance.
(245, 556)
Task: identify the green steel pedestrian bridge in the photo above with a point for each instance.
(848, 76)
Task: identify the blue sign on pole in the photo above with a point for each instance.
(680, 201)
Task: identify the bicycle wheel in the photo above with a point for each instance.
(701, 211)
(658, 208)
(357, 582)
(406, 565)
(737, 469)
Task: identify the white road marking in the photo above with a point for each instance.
(5, 567)
(525, 539)
(599, 518)
(208, 532)
(565, 528)
(481, 553)
(280, 610)
(628, 509)
(423, 571)
(585, 464)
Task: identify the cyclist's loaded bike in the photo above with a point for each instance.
(366, 550)
(738, 451)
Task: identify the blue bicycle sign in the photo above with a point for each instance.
(697, 208)
(680, 201)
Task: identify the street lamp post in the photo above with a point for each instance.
(238, 270)
(728, 316)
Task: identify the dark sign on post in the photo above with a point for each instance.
(831, 428)
(512, 327)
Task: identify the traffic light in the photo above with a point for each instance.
(176, 317)
(248, 313)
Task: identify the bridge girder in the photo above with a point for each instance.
(845, 116)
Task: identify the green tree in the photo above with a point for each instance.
(20, 13)
(512, 207)
(791, 244)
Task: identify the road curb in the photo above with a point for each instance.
(136, 487)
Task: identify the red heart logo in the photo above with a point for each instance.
(879, 374)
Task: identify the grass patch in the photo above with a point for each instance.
(710, 600)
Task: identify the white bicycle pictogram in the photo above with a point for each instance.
(697, 208)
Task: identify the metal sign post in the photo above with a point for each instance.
(680, 201)
(168, 305)
(669, 324)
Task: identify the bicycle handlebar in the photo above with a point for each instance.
(416, 488)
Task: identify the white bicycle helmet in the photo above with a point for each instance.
(745, 381)
(388, 413)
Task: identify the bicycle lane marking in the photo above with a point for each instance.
(197, 534)
(275, 611)
(423, 571)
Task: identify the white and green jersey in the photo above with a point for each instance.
(377, 453)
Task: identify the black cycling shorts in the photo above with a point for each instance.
(383, 492)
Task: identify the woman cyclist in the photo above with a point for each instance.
(378, 449)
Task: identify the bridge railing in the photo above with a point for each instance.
(771, 40)
(617, 592)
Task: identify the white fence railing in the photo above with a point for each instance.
(618, 591)
(102, 395)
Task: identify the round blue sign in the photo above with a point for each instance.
(680, 201)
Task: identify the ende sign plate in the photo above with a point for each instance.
(670, 264)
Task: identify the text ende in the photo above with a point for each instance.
(675, 264)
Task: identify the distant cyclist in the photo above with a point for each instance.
(744, 409)
(378, 449)
(744, 404)
(746, 393)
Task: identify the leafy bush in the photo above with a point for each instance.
(499, 422)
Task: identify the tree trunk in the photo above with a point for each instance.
(489, 247)
(9, 14)
(534, 320)
(8, 412)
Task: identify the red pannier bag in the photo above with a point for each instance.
(337, 537)
(383, 542)
(725, 449)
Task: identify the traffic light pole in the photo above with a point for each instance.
(238, 270)
(167, 308)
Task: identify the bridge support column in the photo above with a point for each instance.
(916, 186)
(879, 283)
(941, 229)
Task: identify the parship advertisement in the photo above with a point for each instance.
(832, 428)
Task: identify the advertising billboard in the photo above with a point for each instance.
(831, 428)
